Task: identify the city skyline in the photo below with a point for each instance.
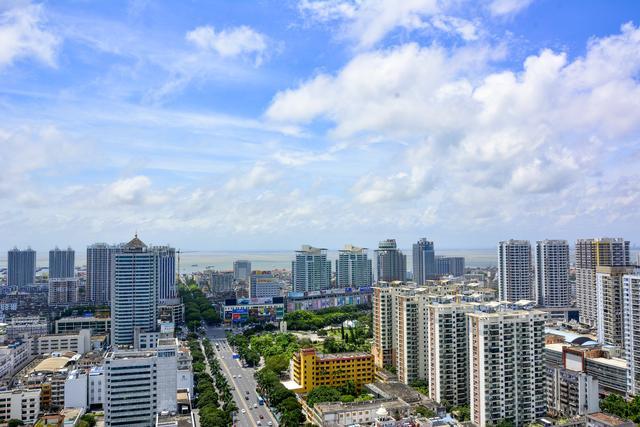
(238, 125)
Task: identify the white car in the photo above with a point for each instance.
(234, 376)
(269, 423)
(255, 405)
(259, 422)
(239, 376)
(244, 411)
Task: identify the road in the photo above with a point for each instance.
(241, 381)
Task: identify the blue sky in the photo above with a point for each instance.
(269, 124)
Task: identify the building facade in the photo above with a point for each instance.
(311, 271)
(571, 393)
(424, 262)
(264, 285)
(609, 305)
(20, 404)
(552, 273)
(21, 269)
(391, 263)
(506, 366)
(100, 263)
(353, 268)
(166, 275)
(515, 271)
(449, 266)
(631, 318)
(62, 263)
(63, 292)
(134, 294)
(241, 270)
(591, 254)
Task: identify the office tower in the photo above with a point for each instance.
(609, 305)
(515, 271)
(631, 319)
(61, 263)
(241, 270)
(63, 291)
(140, 384)
(449, 266)
(311, 271)
(353, 268)
(21, 267)
(449, 353)
(591, 254)
(264, 285)
(100, 262)
(506, 367)
(391, 263)
(424, 264)
(134, 293)
(167, 292)
(552, 273)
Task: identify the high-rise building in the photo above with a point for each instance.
(134, 293)
(167, 292)
(552, 273)
(515, 271)
(311, 271)
(140, 384)
(353, 268)
(61, 263)
(220, 281)
(382, 311)
(631, 319)
(242, 270)
(409, 330)
(264, 285)
(449, 353)
(21, 267)
(609, 305)
(100, 262)
(449, 266)
(391, 263)
(424, 263)
(63, 292)
(506, 367)
(591, 254)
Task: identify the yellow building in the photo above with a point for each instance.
(310, 369)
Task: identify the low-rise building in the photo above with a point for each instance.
(237, 311)
(97, 325)
(600, 419)
(80, 342)
(571, 392)
(317, 300)
(25, 327)
(14, 356)
(338, 414)
(20, 404)
(309, 369)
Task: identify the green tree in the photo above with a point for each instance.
(90, 419)
(322, 394)
(14, 423)
(425, 412)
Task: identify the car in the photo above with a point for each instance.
(234, 376)
(269, 423)
(259, 422)
(246, 398)
(247, 392)
(244, 411)
(239, 376)
(255, 405)
(261, 417)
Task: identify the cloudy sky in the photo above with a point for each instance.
(271, 123)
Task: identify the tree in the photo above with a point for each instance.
(425, 412)
(278, 363)
(462, 413)
(15, 423)
(322, 394)
(90, 419)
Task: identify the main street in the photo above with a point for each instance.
(241, 381)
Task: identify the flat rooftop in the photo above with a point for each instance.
(51, 364)
(388, 404)
(349, 355)
(395, 389)
(608, 419)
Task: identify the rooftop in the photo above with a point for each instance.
(52, 364)
(388, 404)
(349, 355)
(608, 419)
(395, 389)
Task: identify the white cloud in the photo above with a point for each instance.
(508, 7)
(259, 175)
(133, 191)
(231, 42)
(22, 35)
(483, 146)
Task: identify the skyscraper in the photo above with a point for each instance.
(449, 265)
(242, 270)
(552, 273)
(609, 305)
(591, 254)
(21, 267)
(353, 267)
(424, 263)
(166, 274)
(61, 263)
(134, 293)
(391, 263)
(506, 367)
(311, 271)
(631, 319)
(100, 262)
(515, 271)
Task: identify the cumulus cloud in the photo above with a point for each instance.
(481, 144)
(231, 42)
(133, 191)
(23, 35)
(508, 7)
(258, 176)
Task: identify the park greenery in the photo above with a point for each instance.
(214, 399)
(345, 393)
(617, 405)
(197, 307)
(301, 320)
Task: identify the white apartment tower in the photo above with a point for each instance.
(506, 367)
(609, 305)
(410, 334)
(449, 353)
(134, 292)
(311, 271)
(591, 254)
(552, 273)
(353, 268)
(631, 317)
(515, 271)
(382, 348)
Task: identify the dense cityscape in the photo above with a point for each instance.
(127, 339)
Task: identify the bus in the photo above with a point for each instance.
(260, 400)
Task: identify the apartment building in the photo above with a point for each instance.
(571, 393)
(20, 404)
(515, 271)
(309, 369)
(631, 319)
(609, 305)
(591, 254)
(448, 353)
(506, 366)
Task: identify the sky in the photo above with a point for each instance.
(240, 125)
